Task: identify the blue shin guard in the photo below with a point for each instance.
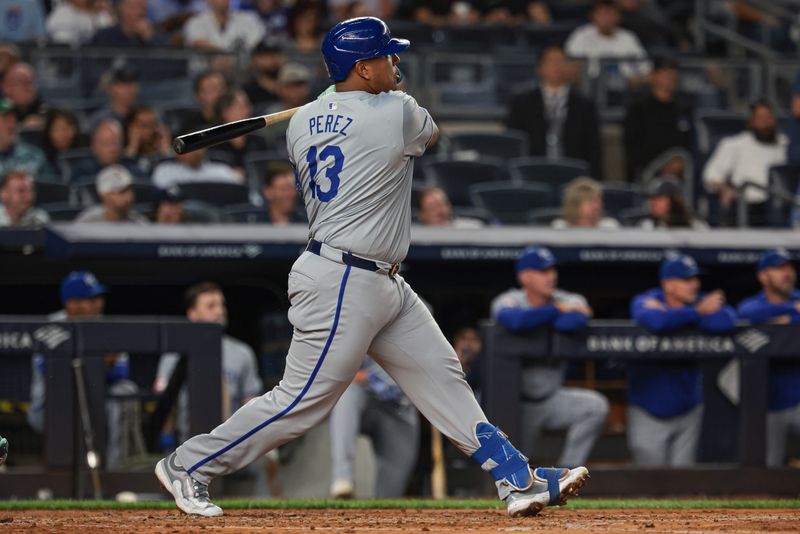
(508, 466)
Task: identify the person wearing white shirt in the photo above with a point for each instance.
(75, 21)
(747, 157)
(192, 167)
(604, 39)
(221, 28)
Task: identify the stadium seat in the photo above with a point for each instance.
(714, 125)
(455, 177)
(70, 160)
(508, 202)
(51, 192)
(216, 193)
(618, 199)
(537, 36)
(86, 192)
(505, 145)
(61, 211)
(784, 181)
(257, 164)
(199, 212)
(543, 216)
(245, 213)
(556, 173)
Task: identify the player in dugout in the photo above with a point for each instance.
(547, 404)
(778, 303)
(665, 397)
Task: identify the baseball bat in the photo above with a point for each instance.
(92, 458)
(225, 132)
(439, 473)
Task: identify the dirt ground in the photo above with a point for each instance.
(401, 521)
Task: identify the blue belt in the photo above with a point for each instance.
(315, 247)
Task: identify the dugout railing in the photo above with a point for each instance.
(506, 353)
(63, 471)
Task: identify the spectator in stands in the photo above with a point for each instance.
(647, 22)
(746, 158)
(233, 106)
(192, 167)
(170, 207)
(114, 184)
(668, 209)
(209, 86)
(294, 87)
(19, 86)
(274, 16)
(443, 12)
(658, 122)
(61, 133)
(435, 210)
(347, 9)
(778, 303)
(16, 154)
(793, 151)
(604, 39)
(547, 404)
(148, 140)
(17, 195)
(168, 13)
(22, 22)
(83, 297)
(133, 29)
(221, 28)
(305, 19)
(122, 88)
(106, 147)
(512, 12)
(666, 397)
(75, 22)
(583, 206)
(559, 120)
(280, 192)
(266, 62)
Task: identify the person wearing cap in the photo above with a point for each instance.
(657, 122)
(17, 194)
(83, 297)
(778, 303)
(17, 155)
(666, 207)
(170, 207)
(221, 28)
(547, 404)
(114, 184)
(294, 87)
(121, 85)
(665, 397)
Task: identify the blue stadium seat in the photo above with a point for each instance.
(784, 181)
(216, 193)
(619, 199)
(505, 145)
(455, 177)
(714, 125)
(510, 203)
(61, 211)
(51, 192)
(70, 160)
(556, 173)
(245, 213)
(257, 164)
(199, 212)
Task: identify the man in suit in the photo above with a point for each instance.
(560, 122)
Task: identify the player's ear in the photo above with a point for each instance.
(362, 69)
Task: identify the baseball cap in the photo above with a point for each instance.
(81, 285)
(123, 75)
(536, 258)
(6, 106)
(172, 195)
(113, 179)
(667, 186)
(774, 258)
(665, 62)
(680, 266)
(294, 73)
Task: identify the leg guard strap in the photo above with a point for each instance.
(498, 456)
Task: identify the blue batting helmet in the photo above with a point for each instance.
(355, 40)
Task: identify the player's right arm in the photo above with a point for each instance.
(761, 312)
(515, 319)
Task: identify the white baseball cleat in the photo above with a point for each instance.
(342, 489)
(551, 487)
(190, 495)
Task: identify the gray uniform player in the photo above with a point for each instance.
(353, 151)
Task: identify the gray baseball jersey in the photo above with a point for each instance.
(354, 169)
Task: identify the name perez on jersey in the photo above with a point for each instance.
(330, 124)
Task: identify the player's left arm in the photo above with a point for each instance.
(723, 320)
(419, 130)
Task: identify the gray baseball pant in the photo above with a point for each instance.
(581, 412)
(780, 423)
(654, 441)
(339, 314)
(359, 412)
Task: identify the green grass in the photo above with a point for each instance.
(476, 504)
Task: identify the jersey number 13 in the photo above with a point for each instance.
(331, 173)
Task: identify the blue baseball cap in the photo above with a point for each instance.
(81, 285)
(536, 258)
(774, 258)
(681, 266)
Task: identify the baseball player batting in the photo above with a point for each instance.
(353, 153)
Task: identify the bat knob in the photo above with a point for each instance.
(178, 145)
